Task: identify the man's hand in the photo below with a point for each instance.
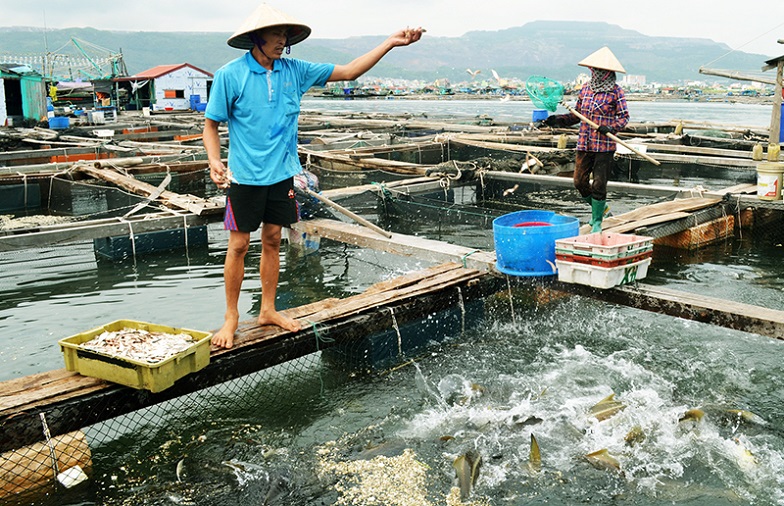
(604, 130)
(219, 174)
(406, 37)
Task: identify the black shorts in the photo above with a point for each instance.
(248, 206)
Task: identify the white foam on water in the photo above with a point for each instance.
(561, 391)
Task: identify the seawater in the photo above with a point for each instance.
(521, 371)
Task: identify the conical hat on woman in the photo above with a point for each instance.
(603, 59)
(264, 17)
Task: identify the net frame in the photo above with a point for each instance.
(545, 93)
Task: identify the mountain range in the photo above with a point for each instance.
(550, 48)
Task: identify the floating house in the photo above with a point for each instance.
(168, 87)
(22, 94)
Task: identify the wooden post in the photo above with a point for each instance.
(775, 117)
(30, 471)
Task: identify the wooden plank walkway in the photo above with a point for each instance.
(70, 401)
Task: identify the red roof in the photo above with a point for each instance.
(162, 70)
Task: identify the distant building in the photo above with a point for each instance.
(168, 87)
(632, 81)
(22, 94)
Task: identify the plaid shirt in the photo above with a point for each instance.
(603, 108)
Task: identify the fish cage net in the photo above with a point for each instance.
(153, 440)
(108, 459)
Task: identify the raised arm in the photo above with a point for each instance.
(362, 64)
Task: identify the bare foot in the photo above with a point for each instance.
(279, 319)
(224, 338)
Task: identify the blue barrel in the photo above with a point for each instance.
(525, 241)
(540, 115)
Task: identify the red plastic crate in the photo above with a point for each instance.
(598, 262)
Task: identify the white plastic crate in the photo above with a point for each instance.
(604, 245)
(601, 277)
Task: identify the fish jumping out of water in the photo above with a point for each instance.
(535, 456)
(634, 436)
(694, 415)
(606, 408)
(602, 459)
(467, 469)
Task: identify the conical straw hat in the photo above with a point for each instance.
(264, 17)
(603, 59)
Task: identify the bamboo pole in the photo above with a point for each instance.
(348, 213)
(33, 470)
(610, 135)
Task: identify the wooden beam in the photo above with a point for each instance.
(700, 308)
(566, 182)
(196, 205)
(399, 244)
(17, 239)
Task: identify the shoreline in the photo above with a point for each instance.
(630, 97)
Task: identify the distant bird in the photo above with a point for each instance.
(501, 81)
(473, 73)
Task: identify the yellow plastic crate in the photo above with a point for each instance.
(133, 373)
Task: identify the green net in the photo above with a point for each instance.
(544, 92)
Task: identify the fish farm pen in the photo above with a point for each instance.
(435, 186)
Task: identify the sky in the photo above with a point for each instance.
(755, 29)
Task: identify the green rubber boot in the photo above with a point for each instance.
(597, 214)
(589, 200)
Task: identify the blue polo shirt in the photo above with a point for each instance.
(262, 109)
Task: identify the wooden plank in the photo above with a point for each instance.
(404, 186)
(16, 239)
(567, 182)
(645, 222)
(738, 188)
(660, 208)
(399, 244)
(68, 412)
(700, 235)
(697, 307)
(502, 146)
(697, 150)
(196, 205)
(739, 164)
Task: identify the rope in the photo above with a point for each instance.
(319, 337)
(511, 302)
(50, 444)
(133, 239)
(185, 233)
(462, 310)
(324, 339)
(465, 257)
(397, 330)
(24, 182)
(740, 223)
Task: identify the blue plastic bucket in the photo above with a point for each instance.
(525, 241)
(540, 115)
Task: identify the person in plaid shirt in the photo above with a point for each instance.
(602, 101)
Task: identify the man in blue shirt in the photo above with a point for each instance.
(258, 95)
